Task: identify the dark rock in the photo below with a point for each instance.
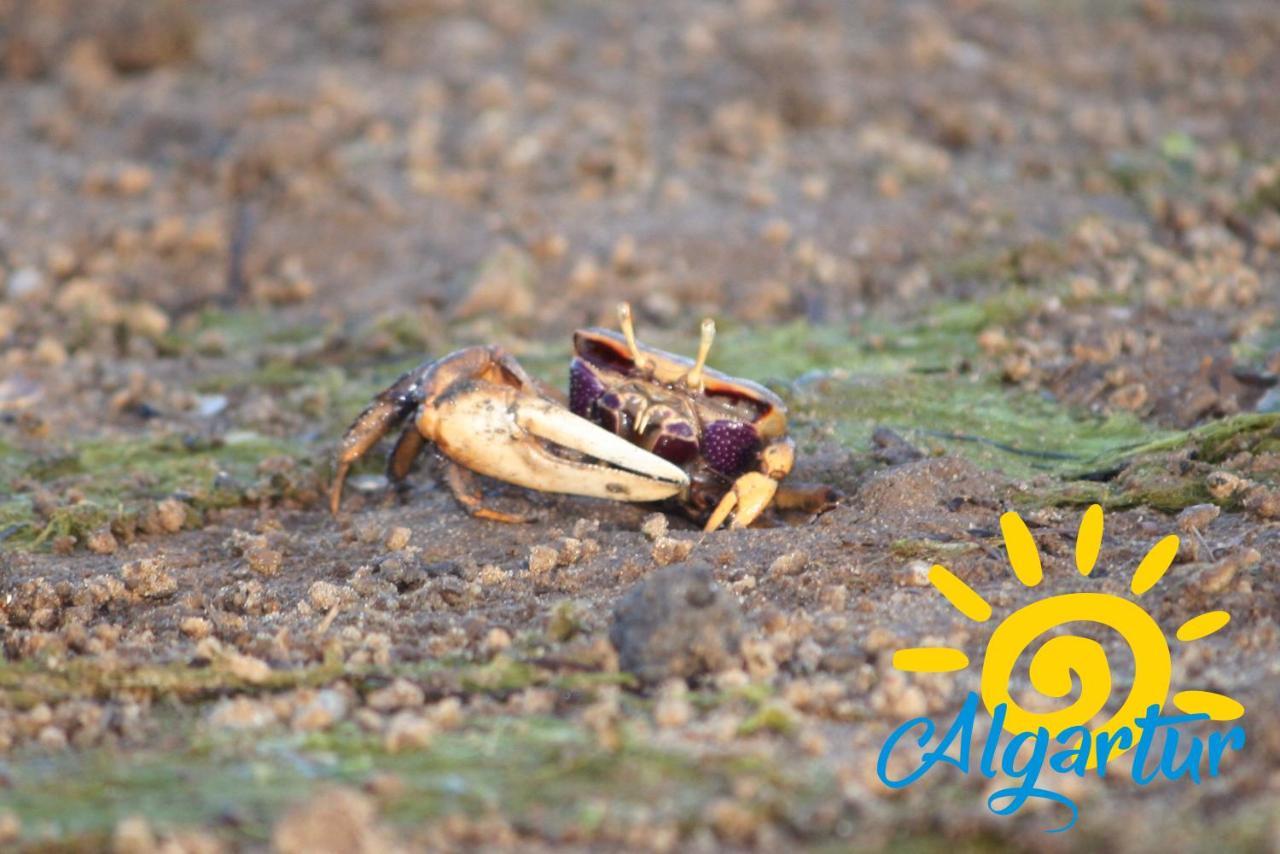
(676, 622)
(892, 449)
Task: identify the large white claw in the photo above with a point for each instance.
(501, 432)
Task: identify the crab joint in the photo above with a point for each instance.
(778, 458)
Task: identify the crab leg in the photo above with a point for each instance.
(746, 499)
(466, 490)
(387, 411)
(506, 433)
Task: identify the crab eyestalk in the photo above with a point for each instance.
(694, 379)
(640, 360)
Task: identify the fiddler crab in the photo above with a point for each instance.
(641, 425)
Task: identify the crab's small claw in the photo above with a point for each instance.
(746, 499)
(507, 433)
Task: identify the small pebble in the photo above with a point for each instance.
(209, 405)
(172, 514)
(147, 320)
(492, 575)
(655, 526)
(334, 819)
(386, 785)
(10, 827)
(398, 538)
(252, 670)
(148, 579)
(196, 628)
(52, 738)
(132, 179)
(324, 595)
(50, 351)
(400, 694)
(914, 574)
(325, 709)
(1216, 578)
(1263, 502)
(264, 562)
(447, 714)
(571, 551)
(408, 731)
(672, 709)
(791, 563)
(1224, 484)
(734, 823)
(542, 559)
(497, 640)
(133, 835)
(241, 713)
(776, 232)
(584, 527)
(676, 623)
(24, 282)
(102, 542)
(1197, 517)
(667, 551)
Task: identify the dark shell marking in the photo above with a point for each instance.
(674, 448)
(611, 414)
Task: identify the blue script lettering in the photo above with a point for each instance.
(955, 745)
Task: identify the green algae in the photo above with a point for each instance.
(54, 679)
(116, 479)
(545, 775)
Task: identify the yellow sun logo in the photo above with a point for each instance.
(1058, 657)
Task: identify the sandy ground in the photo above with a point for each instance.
(995, 255)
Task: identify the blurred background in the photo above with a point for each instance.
(438, 162)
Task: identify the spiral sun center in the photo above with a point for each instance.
(1059, 657)
(1056, 659)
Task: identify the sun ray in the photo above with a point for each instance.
(1154, 565)
(1218, 707)
(1089, 539)
(1023, 555)
(964, 598)
(930, 659)
(1202, 626)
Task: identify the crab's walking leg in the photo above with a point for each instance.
(806, 497)
(462, 483)
(388, 409)
(746, 500)
(406, 450)
(396, 402)
(752, 492)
